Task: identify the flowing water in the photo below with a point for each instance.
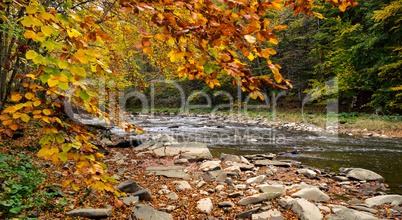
(383, 156)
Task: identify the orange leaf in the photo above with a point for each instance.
(13, 127)
(16, 97)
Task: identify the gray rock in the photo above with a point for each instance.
(201, 184)
(345, 213)
(221, 177)
(363, 174)
(195, 151)
(219, 188)
(173, 174)
(229, 157)
(182, 185)
(272, 188)
(235, 169)
(266, 215)
(313, 194)
(307, 172)
(128, 201)
(286, 202)
(257, 179)
(244, 166)
(90, 213)
(205, 205)
(172, 196)
(129, 186)
(169, 168)
(340, 178)
(363, 208)
(143, 195)
(395, 200)
(306, 210)
(211, 165)
(226, 204)
(247, 214)
(258, 198)
(271, 162)
(146, 212)
(235, 194)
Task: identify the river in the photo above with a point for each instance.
(383, 156)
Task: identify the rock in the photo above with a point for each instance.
(221, 177)
(182, 185)
(340, 178)
(205, 205)
(164, 138)
(172, 196)
(363, 174)
(234, 169)
(257, 179)
(173, 174)
(345, 213)
(271, 162)
(247, 214)
(266, 215)
(182, 161)
(210, 165)
(129, 186)
(286, 202)
(243, 166)
(169, 168)
(128, 201)
(313, 194)
(226, 204)
(143, 195)
(195, 151)
(306, 210)
(395, 200)
(146, 212)
(363, 208)
(201, 184)
(235, 194)
(219, 188)
(229, 157)
(307, 172)
(265, 188)
(127, 143)
(257, 198)
(90, 213)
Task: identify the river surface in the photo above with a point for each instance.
(383, 156)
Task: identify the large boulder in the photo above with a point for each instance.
(380, 200)
(306, 210)
(363, 174)
(146, 212)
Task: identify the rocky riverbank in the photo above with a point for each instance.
(164, 179)
(335, 128)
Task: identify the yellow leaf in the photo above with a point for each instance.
(63, 64)
(276, 5)
(29, 95)
(63, 156)
(47, 111)
(16, 97)
(65, 183)
(13, 127)
(31, 9)
(37, 103)
(52, 82)
(7, 122)
(46, 30)
(25, 117)
(277, 76)
(10, 109)
(250, 39)
(250, 56)
(75, 187)
(40, 37)
(42, 152)
(147, 50)
(63, 85)
(273, 40)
